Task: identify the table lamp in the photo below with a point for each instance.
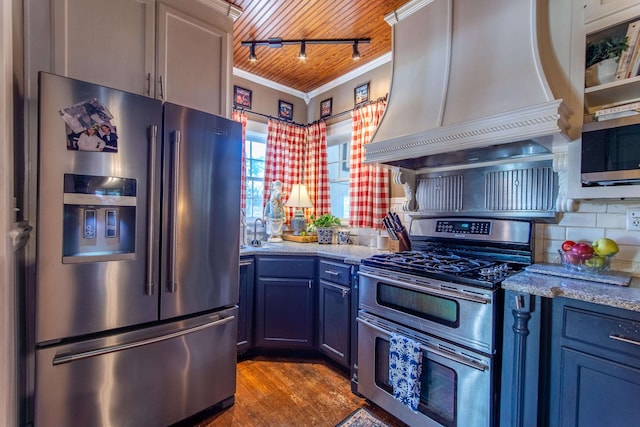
(299, 198)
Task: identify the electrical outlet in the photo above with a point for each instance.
(633, 220)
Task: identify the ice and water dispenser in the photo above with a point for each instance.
(99, 218)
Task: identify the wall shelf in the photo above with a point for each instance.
(611, 94)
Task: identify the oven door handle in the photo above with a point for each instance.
(428, 290)
(430, 349)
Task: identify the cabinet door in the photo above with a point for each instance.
(192, 62)
(597, 392)
(245, 304)
(110, 43)
(333, 327)
(284, 313)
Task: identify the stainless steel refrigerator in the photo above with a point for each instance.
(137, 258)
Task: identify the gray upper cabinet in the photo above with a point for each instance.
(193, 62)
(177, 51)
(108, 43)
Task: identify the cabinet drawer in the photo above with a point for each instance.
(296, 267)
(335, 272)
(604, 330)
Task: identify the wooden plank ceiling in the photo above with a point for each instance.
(310, 19)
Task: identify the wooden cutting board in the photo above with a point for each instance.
(300, 239)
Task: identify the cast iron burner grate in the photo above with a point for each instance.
(435, 262)
(444, 265)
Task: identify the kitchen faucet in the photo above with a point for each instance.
(255, 241)
(243, 228)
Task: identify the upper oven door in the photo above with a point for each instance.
(458, 313)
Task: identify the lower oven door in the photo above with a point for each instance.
(458, 313)
(456, 384)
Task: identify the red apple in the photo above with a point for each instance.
(582, 250)
(567, 245)
(571, 258)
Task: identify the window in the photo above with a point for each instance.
(338, 165)
(255, 152)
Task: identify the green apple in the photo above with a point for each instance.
(596, 262)
(605, 247)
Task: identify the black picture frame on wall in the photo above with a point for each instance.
(285, 110)
(361, 94)
(241, 97)
(325, 108)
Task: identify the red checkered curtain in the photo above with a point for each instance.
(368, 184)
(316, 174)
(241, 117)
(285, 148)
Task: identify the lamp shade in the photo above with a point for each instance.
(299, 197)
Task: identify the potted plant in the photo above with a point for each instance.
(602, 58)
(324, 225)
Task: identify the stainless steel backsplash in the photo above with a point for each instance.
(525, 189)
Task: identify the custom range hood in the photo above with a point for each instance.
(471, 74)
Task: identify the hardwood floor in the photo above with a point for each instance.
(282, 392)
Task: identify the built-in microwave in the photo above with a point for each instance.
(611, 152)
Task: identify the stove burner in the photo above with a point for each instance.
(448, 262)
(444, 265)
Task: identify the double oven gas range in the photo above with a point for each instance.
(444, 295)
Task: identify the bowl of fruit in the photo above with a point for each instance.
(593, 258)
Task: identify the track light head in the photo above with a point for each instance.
(252, 53)
(356, 53)
(303, 51)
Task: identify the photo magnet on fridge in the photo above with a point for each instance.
(89, 127)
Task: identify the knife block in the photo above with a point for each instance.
(399, 245)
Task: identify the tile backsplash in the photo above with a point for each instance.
(594, 219)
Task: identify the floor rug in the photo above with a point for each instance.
(361, 417)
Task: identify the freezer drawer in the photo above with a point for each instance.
(155, 376)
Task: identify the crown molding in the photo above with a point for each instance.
(269, 83)
(371, 65)
(307, 96)
(221, 6)
(405, 10)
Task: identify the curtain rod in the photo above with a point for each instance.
(244, 110)
(333, 116)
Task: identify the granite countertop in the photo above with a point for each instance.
(550, 286)
(351, 254)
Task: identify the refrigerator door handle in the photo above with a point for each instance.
(173, 283)
(150, 286)
(73, 357)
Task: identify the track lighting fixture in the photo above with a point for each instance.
(277, 42)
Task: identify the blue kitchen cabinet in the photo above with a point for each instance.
(334, 310)
(245, 304)
(595, 365)
(285, 302)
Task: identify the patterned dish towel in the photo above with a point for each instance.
(405, 367)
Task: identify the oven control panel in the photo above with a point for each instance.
(464, 227)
